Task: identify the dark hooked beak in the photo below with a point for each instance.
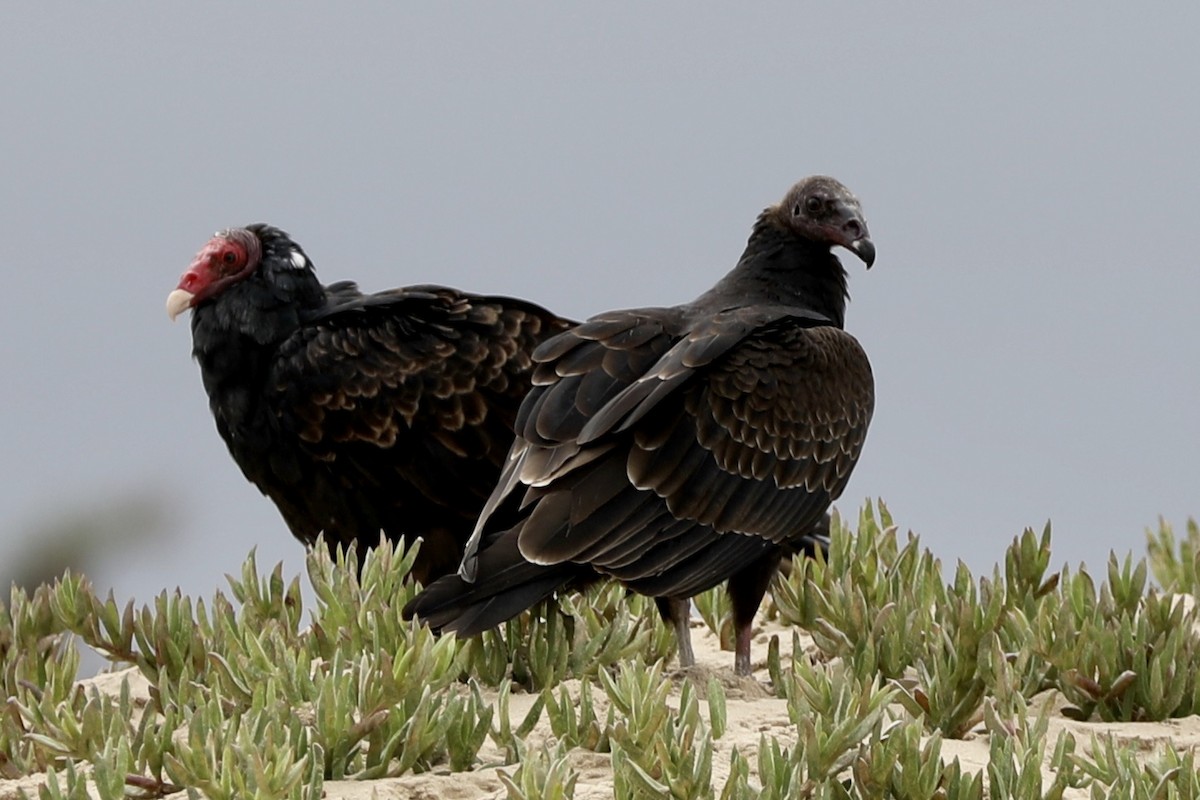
(864, 248)
(852, 232)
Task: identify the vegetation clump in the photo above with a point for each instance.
(251, 694)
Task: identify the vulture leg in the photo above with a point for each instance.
(746, 590)
(677, 613)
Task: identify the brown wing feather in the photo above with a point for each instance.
(407, 398)
(372, 373)
(584, 368)
(781, 418)
(755, 444)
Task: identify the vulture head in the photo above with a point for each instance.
(231, 257)
(822, 209)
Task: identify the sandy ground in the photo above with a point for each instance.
(752, 711)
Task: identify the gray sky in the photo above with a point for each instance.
(1029, 176)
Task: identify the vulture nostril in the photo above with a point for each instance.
(853, 229)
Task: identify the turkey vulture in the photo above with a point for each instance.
(358, 413)
(675, 448)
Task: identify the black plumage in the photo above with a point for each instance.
(358, 413)
(676, 448)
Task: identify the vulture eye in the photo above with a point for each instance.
(813, 204)
(229, 257)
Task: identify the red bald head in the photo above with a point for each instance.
(227, 258)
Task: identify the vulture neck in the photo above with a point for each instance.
(259, 312)
(236, 338)
(778, 268)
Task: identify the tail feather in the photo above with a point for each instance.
(482, 615)
(507, 585)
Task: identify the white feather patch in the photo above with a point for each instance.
(299, 260)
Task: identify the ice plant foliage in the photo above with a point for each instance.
(253, 695)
